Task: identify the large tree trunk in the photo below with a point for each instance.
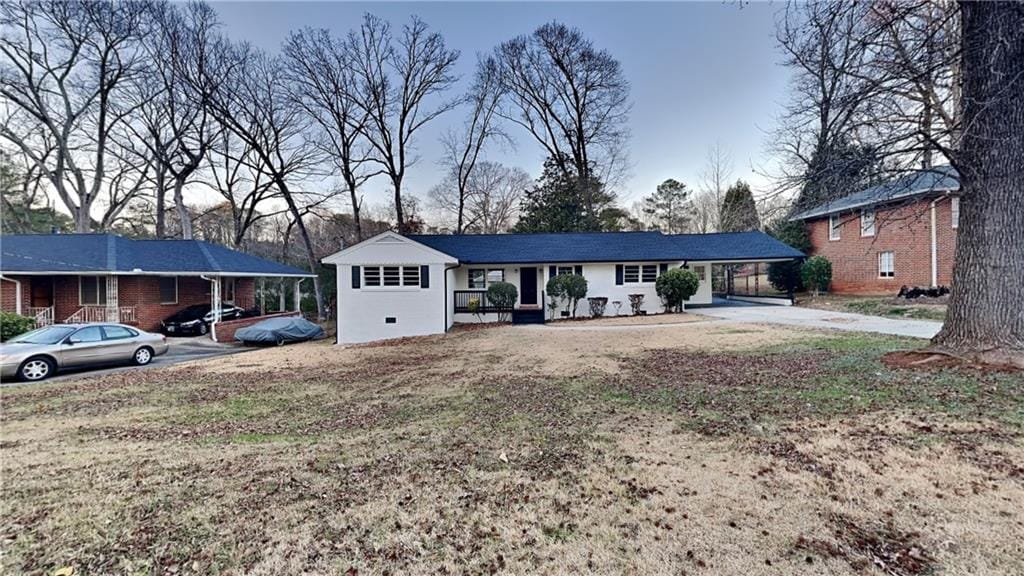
(985, 321)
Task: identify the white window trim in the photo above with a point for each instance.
(559, 270)
(175, 290)
(834, 228)
(954, 212)
(864, 232)
(401, 277)
(487, 282)
(892, 263)
(640, 274)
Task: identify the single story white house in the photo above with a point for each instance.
(393, 286)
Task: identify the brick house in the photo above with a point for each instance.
(108, 278)
(901, 233)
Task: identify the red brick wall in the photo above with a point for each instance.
(905, 231)
(9, 293)
(225, 331)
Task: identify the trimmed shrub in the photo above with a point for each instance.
(12, 324)
(597, 306)
(817, 273)
(636, 302)
(502, 295)
(675, 287)
(569, 288)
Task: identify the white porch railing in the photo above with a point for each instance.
(43, 315)
(122, 314)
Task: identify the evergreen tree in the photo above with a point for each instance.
(560, 202)
(669, 206)
(739, 212)
(836, 172)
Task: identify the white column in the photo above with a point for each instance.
(298, 295)
(112, 306)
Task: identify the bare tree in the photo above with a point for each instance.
(173, 118)
(63, 75)
(396, 79)
(462, 148)
(233, 171)
(714, 181)
(323, 82)
(571, 97)
(250, 97)
(488, 202)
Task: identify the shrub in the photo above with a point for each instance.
(675, 287)
(785, 276)
(816, 273)
(474, 307)
(569, 288)
(12, 324)
(597, 306)
(502, 295)
(618, 306)
(636, 302)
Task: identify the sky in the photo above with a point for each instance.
(701, 73)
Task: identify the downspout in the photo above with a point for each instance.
(17, 293)
(215, 295)
(935, 250)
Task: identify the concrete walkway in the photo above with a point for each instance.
(812, 318)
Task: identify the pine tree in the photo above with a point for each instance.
(560, 202)
(739, 212)
(669, 206)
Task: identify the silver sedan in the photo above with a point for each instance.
(39, 354)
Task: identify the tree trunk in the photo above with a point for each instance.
(179, 204)
(985, 321)
(308, 244)
(161, 201)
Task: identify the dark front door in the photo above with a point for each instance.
(42, 292)
(528, 286)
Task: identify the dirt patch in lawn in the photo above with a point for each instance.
(925, 360)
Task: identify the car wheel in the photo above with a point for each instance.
(280, 341)
(143, 356)
(36, 369)
(202, 329)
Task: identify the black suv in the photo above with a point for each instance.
(196, 319)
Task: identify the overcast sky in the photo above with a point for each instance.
(701, 73)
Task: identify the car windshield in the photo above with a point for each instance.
(48, 335)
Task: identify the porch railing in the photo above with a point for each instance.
(43, 315)
(122, 314)
(464, 303)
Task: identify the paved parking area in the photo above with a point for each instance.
(813, 318)
(181, 350)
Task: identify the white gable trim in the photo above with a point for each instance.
(352, 254)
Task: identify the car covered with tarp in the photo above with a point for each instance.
(279, 331)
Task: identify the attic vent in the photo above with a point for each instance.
(390, 320)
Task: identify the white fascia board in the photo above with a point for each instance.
(350, 255)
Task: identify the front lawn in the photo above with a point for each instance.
(702, 448)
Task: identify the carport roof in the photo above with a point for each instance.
(112, 254)
(608, 247)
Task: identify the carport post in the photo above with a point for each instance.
(298, 295)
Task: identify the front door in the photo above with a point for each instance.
(42, 292)
(528, 286)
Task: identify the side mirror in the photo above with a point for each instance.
(68, 341)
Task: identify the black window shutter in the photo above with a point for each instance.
(664, 268)
(618, 274)
(424, 276)
(552, 271)
(355, 277)
(579, 270)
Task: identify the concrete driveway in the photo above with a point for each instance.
(181, 350)
(812, 318)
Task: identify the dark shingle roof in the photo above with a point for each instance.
(937, 179)
(78, 253)
(606, 247)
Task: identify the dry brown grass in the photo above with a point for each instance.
(523, 450)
